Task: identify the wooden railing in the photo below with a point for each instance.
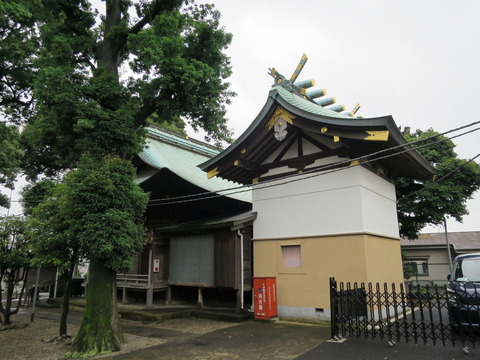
(132, 280)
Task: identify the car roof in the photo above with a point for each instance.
(467, 256)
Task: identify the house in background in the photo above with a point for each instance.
(323, 194)
(427, 257)
(200, 249)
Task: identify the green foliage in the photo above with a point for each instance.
(175, 124)
(49, 226)
(94, 91)
(19, 41)
(107, 210)
(54, 241)
(34, 194)
(96, 212)
(15, 254)
(424, 203)
(14, 246)
(10, 155)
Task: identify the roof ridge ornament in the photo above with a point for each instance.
(289, 83)
(300, 89)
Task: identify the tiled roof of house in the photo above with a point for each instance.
(461, 241)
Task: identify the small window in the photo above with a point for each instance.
(291, 256)
(417, 267)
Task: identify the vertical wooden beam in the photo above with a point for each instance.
(150, 266)
(168, 299)
(238, 307)
(300, 145)
(200, 298)
(149, 300)
(124, 295)
(149, 297)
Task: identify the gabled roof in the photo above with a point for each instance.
(334, 133)
(168, 151)
(461, 241)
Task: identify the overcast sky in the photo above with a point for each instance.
(415, 60)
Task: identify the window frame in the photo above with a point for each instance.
(281, 268)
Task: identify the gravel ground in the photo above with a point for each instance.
(32, 342)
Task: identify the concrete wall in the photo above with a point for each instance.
(303, 292)
(347, 201)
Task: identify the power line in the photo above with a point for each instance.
(343, 162)
(426, 186)
(314, 172)
(319, 171)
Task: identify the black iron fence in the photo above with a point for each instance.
(434, 314)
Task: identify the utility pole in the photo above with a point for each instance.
(448, 244)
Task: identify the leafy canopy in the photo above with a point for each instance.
(99, 79)
(14, 245)
(427, 203)
(19, 42)
(107, 210)
(15, 254)
(10, 155)
(49, 226)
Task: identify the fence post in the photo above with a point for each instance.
(333, 308)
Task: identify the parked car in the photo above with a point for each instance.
(464, 291)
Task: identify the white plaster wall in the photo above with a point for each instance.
(346, 201)
(379, 206)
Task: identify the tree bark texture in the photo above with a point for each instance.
(99, 332)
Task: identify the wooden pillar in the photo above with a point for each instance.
(200, 297)
(168, 299)
(150, 266)
(238, 307)
(150, 279)
(124, 295)
(149, 297)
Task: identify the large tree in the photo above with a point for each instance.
(422, 203)
(97, 79)
(107, 221)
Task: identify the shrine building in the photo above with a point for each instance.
(323, 193)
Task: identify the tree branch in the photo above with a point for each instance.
(14, 101)
(154, 10)
(85, 60)
(156, 7)
(145, 111)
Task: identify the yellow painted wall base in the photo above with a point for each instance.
(348, 258)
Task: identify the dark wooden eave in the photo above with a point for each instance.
(247, 158)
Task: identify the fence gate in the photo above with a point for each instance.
(409, 313)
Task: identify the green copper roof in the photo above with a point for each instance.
(306, 105)
(166, 150)
(183, 142)
(306, 116)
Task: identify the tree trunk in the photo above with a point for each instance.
(66, 300)
(12, 278)
(8, 304)
(99, 332)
